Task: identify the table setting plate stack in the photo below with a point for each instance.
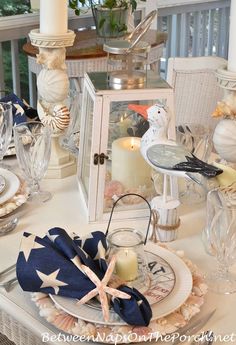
(174, 290)
(13, 192)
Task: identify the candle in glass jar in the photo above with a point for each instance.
(127, 264)
(53, 17)
(128, 165)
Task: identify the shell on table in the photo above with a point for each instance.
(224, 139)
(53, 85)
(57, 118)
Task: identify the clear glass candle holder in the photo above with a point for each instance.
(127, 245)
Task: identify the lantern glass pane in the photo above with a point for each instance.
(127, 170)
(87, 131)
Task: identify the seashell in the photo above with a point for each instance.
(26, 139)
(49, 313)
(81, 328)
(64, 322)
(44, 303)
(10, 207)
(53, 85)
(224, 139)
(196, 300)
(142, 331)
(37, 296)
(58, 120)
(176, 319)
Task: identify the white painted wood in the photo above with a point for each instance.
(184, 34)
(15, 67)
(195, 88)
(2, 82)
(203, 39)
(210, 32)
(196, 33)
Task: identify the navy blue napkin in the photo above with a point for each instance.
(52, 265)
(20, 110)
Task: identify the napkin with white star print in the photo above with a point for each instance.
(21, 111)
(76, 267)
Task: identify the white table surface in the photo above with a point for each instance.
(65, 210)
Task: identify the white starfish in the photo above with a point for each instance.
(50, 280)
(28, 244)
(102, 289)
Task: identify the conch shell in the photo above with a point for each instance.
(58, 119)
(53, 85)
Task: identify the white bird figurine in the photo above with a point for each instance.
(158, 117)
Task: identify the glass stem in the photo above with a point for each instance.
(222, 270)
(34, 187)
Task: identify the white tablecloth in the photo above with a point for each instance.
(65, 210)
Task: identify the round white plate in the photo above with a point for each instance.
(12, 185)
(2, 183)
(175, 270)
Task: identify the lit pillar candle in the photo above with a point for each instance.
(232, 38)
(128, 165)
(53, 17)
(127, 264)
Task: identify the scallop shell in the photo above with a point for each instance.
(53, 85)
(58, 120)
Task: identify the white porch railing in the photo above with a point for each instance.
(194, 27)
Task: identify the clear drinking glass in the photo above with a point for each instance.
(197, 139)
(70, 140)
(33, 149)
(220, 234)
(6, 122)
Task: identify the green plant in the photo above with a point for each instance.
(107, 19)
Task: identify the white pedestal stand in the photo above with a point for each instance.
(53, 88)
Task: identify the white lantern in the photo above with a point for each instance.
(110, 162)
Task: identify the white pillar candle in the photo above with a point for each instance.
(127, 264)
(232, 38)
(128, 165)
(53, 17)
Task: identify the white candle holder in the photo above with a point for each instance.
(53, 89)
(128, 246)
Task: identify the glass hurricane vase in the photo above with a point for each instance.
(33, 149)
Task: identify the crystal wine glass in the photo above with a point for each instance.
(70, 140)
(33, 149)
(6, 122)
(220, 233)
(197, 139)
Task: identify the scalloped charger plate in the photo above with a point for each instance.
(164, 299)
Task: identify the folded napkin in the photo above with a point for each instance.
(21, 111)
(56, 264)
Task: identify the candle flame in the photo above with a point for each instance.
(132, 143)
